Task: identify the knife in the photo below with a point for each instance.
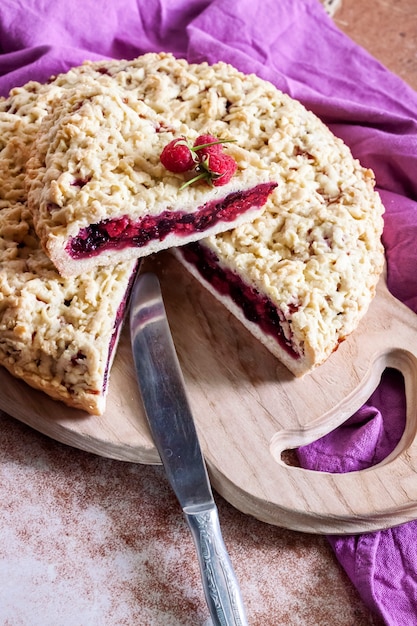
(162, 388)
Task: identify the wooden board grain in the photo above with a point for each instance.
(249, 409)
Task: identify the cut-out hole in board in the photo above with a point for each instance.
(365, 439)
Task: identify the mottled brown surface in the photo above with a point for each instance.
(388, 30)
(88, 541)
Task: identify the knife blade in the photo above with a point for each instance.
(168, 412)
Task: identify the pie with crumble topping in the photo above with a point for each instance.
(79, 166)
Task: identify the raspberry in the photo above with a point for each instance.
(214, 146)
(177, 156)
(205, 157)
(220, 167)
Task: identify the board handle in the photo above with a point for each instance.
(376, 497)
(312, 501)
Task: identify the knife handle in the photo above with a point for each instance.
(219, 581)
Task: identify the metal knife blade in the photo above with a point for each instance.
(162, 388)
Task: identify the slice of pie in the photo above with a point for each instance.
(57, 334)
(99, 193)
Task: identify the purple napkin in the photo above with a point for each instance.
(295, 45)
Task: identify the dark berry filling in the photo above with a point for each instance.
(120, 233)
(256, 308)
(120, 315)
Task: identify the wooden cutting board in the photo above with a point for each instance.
(249, 409)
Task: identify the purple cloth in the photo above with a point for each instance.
(295, 45)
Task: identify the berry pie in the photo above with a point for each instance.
(100, 193)
(117, 159)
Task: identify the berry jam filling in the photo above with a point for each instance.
(120, 315)
(256, 308)
(120, 233)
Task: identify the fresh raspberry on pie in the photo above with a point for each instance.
(220, 168)
(177, 156)
(206, 157)
(205, 145)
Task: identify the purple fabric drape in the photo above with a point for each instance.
(296, 46)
